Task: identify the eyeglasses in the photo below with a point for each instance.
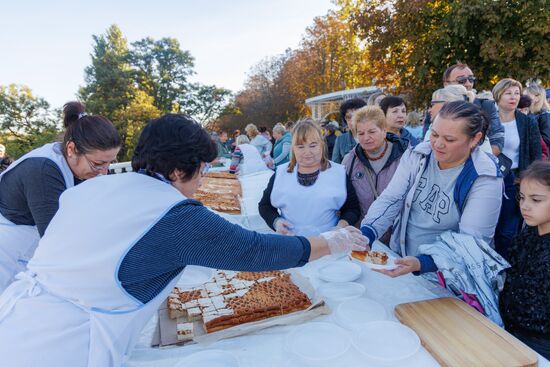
(96, 167)
(433, 103)
(463, 79)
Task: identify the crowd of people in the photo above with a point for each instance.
(461, 194)
(469, 175)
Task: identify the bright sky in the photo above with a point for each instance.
(47, 44)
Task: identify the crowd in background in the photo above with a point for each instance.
(430, 184)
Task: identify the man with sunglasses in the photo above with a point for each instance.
(462, 74)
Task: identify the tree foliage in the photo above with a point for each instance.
(133, 84)
(163, 71)
(412, 42)
(109, 79)
(205, 102)
(330, 57)
(26, 121)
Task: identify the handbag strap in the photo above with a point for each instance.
(370, 179)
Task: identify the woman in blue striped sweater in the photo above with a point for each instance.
(118, 245)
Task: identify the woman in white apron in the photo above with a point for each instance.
(310, 194)
(246, 159)
(102, 269)
(31, 186)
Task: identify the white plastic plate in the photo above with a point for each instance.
(317, 341)
(339, 271)
(354, 313)
(386, 341)
(194, 276)
(341, 291)
(210, 358)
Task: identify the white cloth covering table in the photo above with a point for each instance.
(265, 348)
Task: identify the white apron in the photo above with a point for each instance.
(69, 308)
(311, 209)
(18, 242)
(252, 160)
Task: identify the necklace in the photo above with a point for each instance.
(308, 179)
(381, 154)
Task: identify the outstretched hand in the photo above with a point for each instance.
(405, 265)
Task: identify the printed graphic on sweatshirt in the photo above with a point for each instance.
(433, 200)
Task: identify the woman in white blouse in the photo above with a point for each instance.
(522, 144)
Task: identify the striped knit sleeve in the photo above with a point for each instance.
(236, 158)
(203, 238)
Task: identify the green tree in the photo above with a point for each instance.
(331, 57)
(133, 117)
(411, 42)
(206, 102)
(110, 78)
(111, 89)
(163, 71)
(26, 121)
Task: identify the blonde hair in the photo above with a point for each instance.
(370, 114)
(453, 92)
(502, 85)
(302, 132)
(414, 119)
(242, 139)
(252, 130)
(537, 90)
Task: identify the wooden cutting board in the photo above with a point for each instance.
(457, 335)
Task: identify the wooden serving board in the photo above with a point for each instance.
(457, 335)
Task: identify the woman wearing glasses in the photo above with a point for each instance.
(98, 280)
(31, 186)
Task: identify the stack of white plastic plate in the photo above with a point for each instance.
(210, 358)
(386, 342)
(334, 293)
(317, 342)
(356, 312)
(339, 271)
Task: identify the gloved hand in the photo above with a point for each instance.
(345, 240)
(283, 226)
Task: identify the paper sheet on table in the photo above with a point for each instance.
(167, 326)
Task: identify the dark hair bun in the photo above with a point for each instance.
(71, 111)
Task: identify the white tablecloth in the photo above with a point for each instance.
(265, 348)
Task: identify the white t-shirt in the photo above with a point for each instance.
(511, 142)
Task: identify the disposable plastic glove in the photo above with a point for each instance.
(283, 226)
(345, 240)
